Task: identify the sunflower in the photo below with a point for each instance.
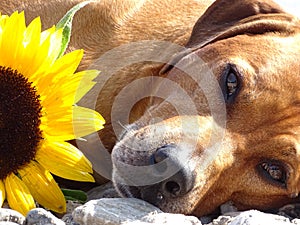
(38, 115)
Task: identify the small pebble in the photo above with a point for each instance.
(68, 219)
(40, 216)
(9, 215)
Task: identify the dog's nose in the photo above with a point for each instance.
(166, 160)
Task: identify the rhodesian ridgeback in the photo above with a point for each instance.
(216, 120)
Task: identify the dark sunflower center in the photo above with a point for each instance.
(20, 113)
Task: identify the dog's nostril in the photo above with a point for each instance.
(172, 187)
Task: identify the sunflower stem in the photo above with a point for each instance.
(66, 24)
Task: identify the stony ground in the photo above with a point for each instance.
(121, 211)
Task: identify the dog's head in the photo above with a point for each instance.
(230, 129)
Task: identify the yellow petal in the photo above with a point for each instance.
(77, 122)
(12, 36)
(66, 65)
(18, 195)
(65, 160)
(47, 52)
(62, 69)
(28, 50)
(86, 83)
(2, 193)
(3, 22)
(66, 91)
(47, 33)
(43, 187)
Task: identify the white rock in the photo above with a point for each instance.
(9, 215)
(254, 217)
(126, 211)
(168, 218)
(39, 216)
(8, 223)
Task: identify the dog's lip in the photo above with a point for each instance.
(129, 191)
(134, 191)
(145, 193)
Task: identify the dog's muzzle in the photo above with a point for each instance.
(177, 178)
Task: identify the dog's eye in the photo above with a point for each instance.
(231, 83)
(274, 171)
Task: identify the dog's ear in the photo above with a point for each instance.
(229, 18)
(225, 14)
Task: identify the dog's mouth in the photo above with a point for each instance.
(128, 191)
(156, 194)
(145, 193)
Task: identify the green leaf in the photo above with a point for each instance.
(74, 195)
(66, 24)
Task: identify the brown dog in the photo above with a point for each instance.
(219, 122)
